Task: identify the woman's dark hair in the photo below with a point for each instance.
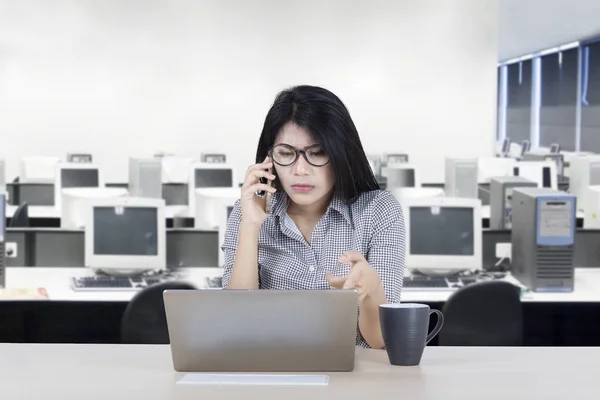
(328, 121)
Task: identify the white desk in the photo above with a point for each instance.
(57, 282)
(74, 372)
(35, 211)
(53, 212)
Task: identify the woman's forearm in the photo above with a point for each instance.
(244, 274)
(368, 320)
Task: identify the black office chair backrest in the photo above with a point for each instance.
(20, 219)
(486, 313)
(144, 320)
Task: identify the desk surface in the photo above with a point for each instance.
(57, 282)
(53, 212)
(42, 371)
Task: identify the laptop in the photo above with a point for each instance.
(262, 330)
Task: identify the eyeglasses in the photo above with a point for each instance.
(286, 155)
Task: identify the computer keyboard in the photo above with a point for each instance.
(417, 282)
(113, 283)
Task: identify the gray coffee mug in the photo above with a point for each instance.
(404, 328)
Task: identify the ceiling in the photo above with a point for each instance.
(528, 26)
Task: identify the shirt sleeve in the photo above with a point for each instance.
(387, 248)
(230, 241)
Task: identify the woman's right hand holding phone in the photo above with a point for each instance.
(253, 206)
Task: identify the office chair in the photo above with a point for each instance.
(486, 313)
(144, 320)
(20, 218)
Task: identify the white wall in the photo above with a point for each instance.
(116, 78)
(530, 26)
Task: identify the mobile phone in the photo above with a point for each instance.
(267, 195)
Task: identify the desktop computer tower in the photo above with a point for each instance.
(2, 240)
(543, 239)
(501, 194)
(461, 178)
(145, 178)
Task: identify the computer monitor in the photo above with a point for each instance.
(75, 175)
(395, 158)
(421, 192)
(505, 149)
(542, 172)
(461, 176)
(38, 169)
(82, 158)
(175, 169)
(555, 148)
(75, 201)
(209, 176)
(525, 147)
(401, 175)
(145, 178)
(213, 158)
(444, 234)
(584, 171)
(492, 167)
(591, 217)
(209, 204)
(125, 235)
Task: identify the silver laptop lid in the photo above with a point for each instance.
(262, 330)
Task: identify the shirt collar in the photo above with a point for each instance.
(279, 203)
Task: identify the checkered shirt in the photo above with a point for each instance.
(372, 225)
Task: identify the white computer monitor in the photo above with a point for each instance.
(145, 177)
(525, 147)
(491, 167)
(209, 176)
(209, 205)
(75, 201)
(176, 169)
(125, 235)
(461, 177)
(591, 213)
(75, 175)
(541, 172)
(401, 175)
(395, 158)
(38, 169)
(584, 171)
(444, 234)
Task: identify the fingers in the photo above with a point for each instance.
(335, 281)
(351, 257)
(352, 279)
(265, 165)
(252, 189)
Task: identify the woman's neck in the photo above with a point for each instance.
(312, 211)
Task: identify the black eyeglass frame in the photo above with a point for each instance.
(298, 152)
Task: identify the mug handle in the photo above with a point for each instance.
(438, 326)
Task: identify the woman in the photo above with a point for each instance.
(327, 224)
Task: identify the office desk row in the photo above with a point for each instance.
(117, 372)
(56, 282)
(67, 316)
(52, 212)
